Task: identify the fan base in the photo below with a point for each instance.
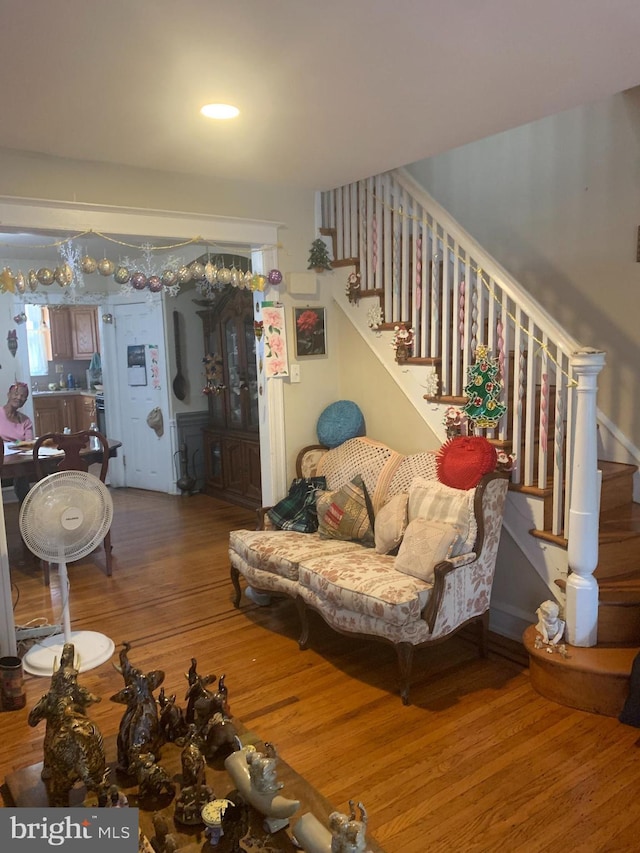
(92, 649)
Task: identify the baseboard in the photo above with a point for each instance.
(509, 621)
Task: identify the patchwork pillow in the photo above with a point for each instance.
(298, 510)
(434, 501)
(463, 461)
(346, 514)
(424, 545)
(391, 522)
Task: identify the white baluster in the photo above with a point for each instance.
(582, 588)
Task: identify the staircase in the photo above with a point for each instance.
(421, 269)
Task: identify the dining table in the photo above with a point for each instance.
(19, 462)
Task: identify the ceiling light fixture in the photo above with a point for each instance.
(219, 111)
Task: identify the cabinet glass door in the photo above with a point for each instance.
(234, 378)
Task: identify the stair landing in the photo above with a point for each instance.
(594, 679)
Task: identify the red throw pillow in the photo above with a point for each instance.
(464, 460)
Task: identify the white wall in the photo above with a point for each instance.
(557, 202)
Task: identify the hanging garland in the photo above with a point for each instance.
(137, 275)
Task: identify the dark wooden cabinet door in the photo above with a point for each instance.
(232, 455)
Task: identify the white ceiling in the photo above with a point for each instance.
(329, 91)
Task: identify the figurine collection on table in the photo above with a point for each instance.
(204, 731)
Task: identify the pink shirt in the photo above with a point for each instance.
(10, 431)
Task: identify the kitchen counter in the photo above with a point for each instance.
(76, 392)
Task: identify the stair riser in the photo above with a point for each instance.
(617, 492)
(618, 559)
(596, 693)
(619, 625)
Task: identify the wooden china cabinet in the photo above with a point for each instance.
(231, 440)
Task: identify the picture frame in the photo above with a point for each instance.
(310, 330)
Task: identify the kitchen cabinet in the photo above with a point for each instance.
(84, 332)
(54, 412)
(85, 411)
(74, 332)
(60, 330)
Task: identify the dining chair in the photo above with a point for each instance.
(72, 445)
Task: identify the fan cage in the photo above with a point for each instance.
(45, 511)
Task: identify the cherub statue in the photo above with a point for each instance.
(550, 626)
(262, 770)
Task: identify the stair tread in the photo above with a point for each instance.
(601, 660)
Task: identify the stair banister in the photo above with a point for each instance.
(581, 612)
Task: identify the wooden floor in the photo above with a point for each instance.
(479, 762)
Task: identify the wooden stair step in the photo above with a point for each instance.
(592, 679)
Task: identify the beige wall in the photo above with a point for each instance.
(557, 202)
(389, 416)
(36, 176)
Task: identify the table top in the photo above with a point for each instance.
(21, 464)
(25, 788)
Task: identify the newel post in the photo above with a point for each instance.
(582, 588)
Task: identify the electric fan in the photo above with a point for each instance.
(63, 518)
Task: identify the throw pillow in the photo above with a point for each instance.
(346, 514)
(463, 461)
(391, 522)
(298, 510)
(434, 501)
(425, 544)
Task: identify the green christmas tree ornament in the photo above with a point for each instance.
(483, 390)
(319, 256)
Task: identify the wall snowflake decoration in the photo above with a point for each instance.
(375, 317)
(432, 383)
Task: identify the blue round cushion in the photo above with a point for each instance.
(339, 422)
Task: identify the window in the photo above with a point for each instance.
(38, 339)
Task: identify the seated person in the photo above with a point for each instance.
(15, 426)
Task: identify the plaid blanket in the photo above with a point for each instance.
(298, 510)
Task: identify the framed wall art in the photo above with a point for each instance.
(310, 331)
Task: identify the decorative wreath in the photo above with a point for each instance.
(463, 461)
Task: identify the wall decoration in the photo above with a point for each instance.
(319, 256)
(483, 390)
(402, 342)
(136, 365)
(12, 342)
(375, 317)
(154, 359)
(353, 287)
(276, 360)
(310, 329)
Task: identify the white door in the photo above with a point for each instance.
(140, 388)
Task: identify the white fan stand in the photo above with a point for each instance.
(64, 517)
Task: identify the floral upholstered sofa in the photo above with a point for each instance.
(398, 555)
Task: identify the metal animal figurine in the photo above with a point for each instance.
(153, 780)
(173, 726)
(197, 697)
(139, 731)
(73, 747)
(192, 758)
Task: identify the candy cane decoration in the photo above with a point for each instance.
(461, 306)
(544, 405)
(500, 333)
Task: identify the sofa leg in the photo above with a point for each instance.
(303, 640)
(483, 635)
(404, 651)
(235, 580)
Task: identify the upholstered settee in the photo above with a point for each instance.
(417, 569)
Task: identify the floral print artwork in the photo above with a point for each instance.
(276, 360)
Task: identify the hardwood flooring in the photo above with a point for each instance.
(478, 762)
